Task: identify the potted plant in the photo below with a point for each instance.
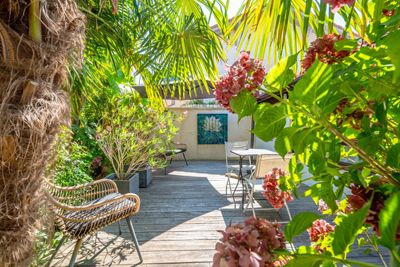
(145, 176)
(129, 135)
(164, 141)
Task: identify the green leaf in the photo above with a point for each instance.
(244, 104)
(280, 75)
(269, 121)
(389, 219)
(294, 178)
(346, 231)
(303, 137)
(313, 85)
(330, 102)
(324, 190)
(360, 242)
(327, 193)
(300, 223)
(317, 163)
(283, 140)
(393, 156)
(346, 44)
(393, 50)
(305, 260)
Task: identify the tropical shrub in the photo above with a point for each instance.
(344, 127)
(133, 135)
(46, 242)
(72, 162)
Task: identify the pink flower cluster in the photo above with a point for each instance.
(324, 49)
(275, 196)
(319, 230)
(337, 4)
(250, 244)
(245, 74)
(360, 196)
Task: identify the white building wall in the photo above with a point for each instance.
(188, 132)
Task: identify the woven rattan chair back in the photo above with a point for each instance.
(85, 209)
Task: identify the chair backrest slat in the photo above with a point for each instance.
(235, 145)
(266, 163)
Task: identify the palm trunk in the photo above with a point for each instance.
(36, 44)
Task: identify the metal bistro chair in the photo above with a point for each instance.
(171, 153)
(233, 167)
(85, 209)
(264, 164)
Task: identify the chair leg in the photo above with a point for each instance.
(57, 249)
(185, 159)
(170, 161)
(119, 228)
(288, 211)
(130, 226)
(251, 198)
(234, 192)
(228, 183)
(75, 253)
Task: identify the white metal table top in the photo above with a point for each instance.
(252, 152)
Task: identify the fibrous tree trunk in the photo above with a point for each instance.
(39, 39)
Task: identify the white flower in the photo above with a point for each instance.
(212, 124)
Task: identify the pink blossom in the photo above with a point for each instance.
(249, 244)
(275, 196)
(245, 74)
(322, 206)
(337, 4)
(319, 230)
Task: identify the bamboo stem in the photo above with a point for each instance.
(35, 25)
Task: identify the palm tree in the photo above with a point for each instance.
(38, 39)
(273, 30)
(160, 41)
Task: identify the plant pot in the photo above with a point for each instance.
(145, 177)
(131, 185)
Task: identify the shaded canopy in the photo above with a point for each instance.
(196, 90)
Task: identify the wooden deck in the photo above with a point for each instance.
(178, 222)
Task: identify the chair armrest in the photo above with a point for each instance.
(94, 211)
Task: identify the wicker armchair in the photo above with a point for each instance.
(84, 209)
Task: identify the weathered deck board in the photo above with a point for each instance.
(178, 222)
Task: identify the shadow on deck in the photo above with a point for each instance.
(177, 225)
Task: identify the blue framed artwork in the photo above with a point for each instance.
(212, 129)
